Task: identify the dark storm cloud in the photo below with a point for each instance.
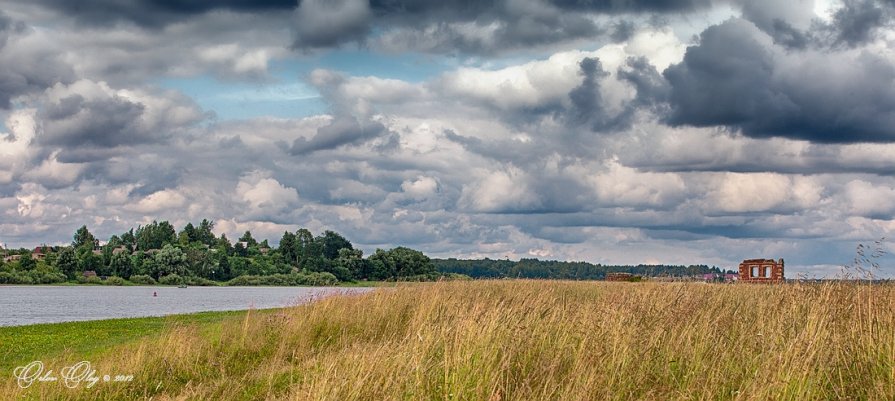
(91, 122)
(18, 79)
(561, 227)
(588, 107)
(503, 150)
(543, 29)
(736, 78)
(431, 25)
(787, 35)
(155, 13)
(622, 31)
(25, 68)
(791, 24)
(9, 26)
(853, 23)
(472, 8)
(427, 25)
(74, 121)
(758, 156)
(652, 89)
(328, 23)
(857, 20)
(342, 131)
(587, 104)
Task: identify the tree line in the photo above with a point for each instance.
(157, 253)
(552, 269)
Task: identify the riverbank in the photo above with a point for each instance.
(22, 344)
(522, 340)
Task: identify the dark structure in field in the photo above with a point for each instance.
(619, 277)
(761, 271)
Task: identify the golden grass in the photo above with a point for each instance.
(528, 340)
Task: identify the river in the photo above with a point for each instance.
(21, 305)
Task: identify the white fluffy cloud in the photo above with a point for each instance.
(160, 201)
(624, 186)
(420, 188)
(759, 192)
(15, 150)
(867, 199)
(263, 195)
(504, 190)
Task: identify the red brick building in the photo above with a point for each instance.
(761, 271)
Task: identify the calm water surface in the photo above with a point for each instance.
(20, 305)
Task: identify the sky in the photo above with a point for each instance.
(613, 131)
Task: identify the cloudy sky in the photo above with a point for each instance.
(611, 131)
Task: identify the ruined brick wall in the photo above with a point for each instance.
(761, 271)
(618, 276)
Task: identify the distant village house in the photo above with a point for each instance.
(40, 253)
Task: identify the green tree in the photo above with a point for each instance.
(128, 240)
(138, 260)
(89, 261)
(287, 248)
(84, 239)
(107, 260)
(351, 261)
(240, 250)
(304, 247)
(155, 235)
(221, 270)
(205, 234)
(199, 262)
(224, 245)
(149, 267)
(121, 266)
(381, 265)
(169, 260)
(27, 263)
(318, 264)
(263, 267)
(399, 262)
(248, 239)
(188, 235)
(239, 266)
(410, 262)
(332, 243)
(67, 262)
(114, 242)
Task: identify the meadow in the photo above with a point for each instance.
(517, 340)
(22, 344)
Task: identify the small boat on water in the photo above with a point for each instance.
(181, 286)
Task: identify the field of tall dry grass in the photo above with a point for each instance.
(526, 340)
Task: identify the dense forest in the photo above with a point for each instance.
(534, 268)
(157, 253)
